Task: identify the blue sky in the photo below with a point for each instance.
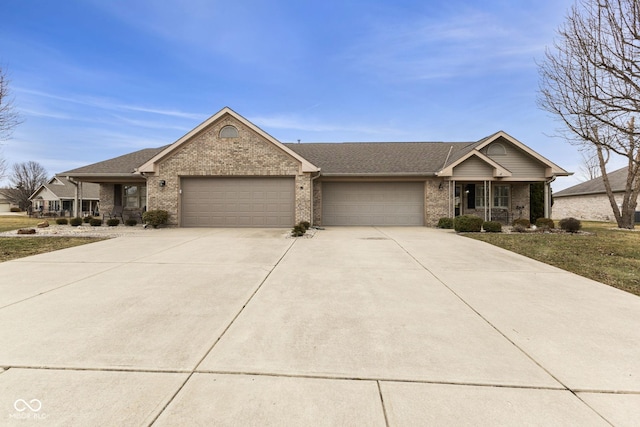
(95, 79)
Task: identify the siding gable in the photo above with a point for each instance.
(521, 164)
(473, 167)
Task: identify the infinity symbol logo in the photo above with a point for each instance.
(21, 405)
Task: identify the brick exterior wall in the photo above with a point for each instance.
(207, 154)
(520, 196)
(436, 201)
(595, 207)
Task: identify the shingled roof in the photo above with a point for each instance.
(121, 165)
(617, 179)
(379, 158)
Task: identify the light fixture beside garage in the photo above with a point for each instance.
(162, 183)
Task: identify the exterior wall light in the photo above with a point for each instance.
(162, 183)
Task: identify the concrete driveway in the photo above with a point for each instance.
(355, 326)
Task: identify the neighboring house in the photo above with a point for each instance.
(589, 201)
(5, 203)
(60, 197)
(227, 172)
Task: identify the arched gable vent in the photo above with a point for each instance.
(229, 132)
(496, 149)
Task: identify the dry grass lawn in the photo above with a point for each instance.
(602, 253)
(19, 247)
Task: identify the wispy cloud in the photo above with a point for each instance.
(311, 124)
(465, 43)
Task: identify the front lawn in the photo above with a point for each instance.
(603, 253)
(19, 247)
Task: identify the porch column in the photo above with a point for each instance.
(487, 216)
(489, 200)
(547, 201)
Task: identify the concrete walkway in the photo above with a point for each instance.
(355, 326)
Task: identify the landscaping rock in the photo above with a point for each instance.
(43, 224)
(27, 231)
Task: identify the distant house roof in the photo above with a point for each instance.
(62, 188)
(617, 179)
(118, 166)
(371, 158)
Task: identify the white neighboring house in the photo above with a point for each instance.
(588, 200)
(59, 197)
(5, 204)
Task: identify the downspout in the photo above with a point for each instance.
(547, 197)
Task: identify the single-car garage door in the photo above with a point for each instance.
(237, 202)
(372, 203)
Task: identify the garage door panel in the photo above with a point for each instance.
(373, 203)
(237, 202)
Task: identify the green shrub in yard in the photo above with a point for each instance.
(155, 217)
(305, 224)
(492, 227)
(113, 222)
(75, 221)
(62, 221)
(14, 209)
(545, 223)
(131, 222)
(522, 221)
(570, 225)
(87, 219)
(95, 222)
(445, 223)
(467, 223)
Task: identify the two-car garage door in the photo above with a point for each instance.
(373, 203)
(237, 202)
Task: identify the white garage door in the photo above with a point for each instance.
(372, 203)
(237, 202)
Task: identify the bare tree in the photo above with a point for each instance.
(591, 81)
(590, 167)
(25, 179)
(3, 168)
(9, 117)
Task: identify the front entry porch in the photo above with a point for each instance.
(491, 200)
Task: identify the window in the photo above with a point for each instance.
(479, 196)
(228, 132)
(135, 196)
(501, 196)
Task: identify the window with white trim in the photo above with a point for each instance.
(479, 195)
(501, 196)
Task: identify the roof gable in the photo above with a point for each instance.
(498, 170)
(552, 168)
(150, 165)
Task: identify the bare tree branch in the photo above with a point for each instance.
(590, 81)
(9, 117)
(25, 179)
